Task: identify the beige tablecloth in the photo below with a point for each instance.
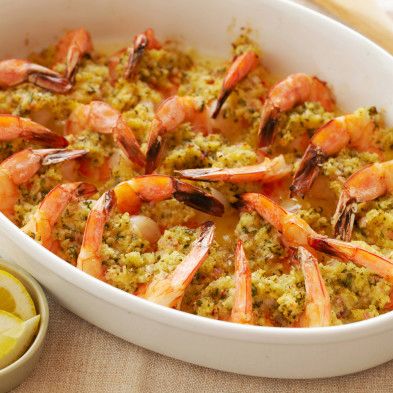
(79, 357)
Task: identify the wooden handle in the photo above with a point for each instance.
(366, 16)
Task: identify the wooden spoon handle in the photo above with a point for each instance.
(366, 16)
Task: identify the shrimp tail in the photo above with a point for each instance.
(154, 152)
(132, 150)
(89, 258)
(106, 203)
(197, 198)
(16, 71)
(54, 156)
(224, 94)
(267, 125)
(266, 171)
(71, 48)
(344, 217)
(51, 82)
(308, 171)
(136, 53)
(84, 190)
(242, 303)
(46, 138)
(354, 253)
(318, 307)
(12, 127)
(238, 70)
(204, 174)
(169, 291)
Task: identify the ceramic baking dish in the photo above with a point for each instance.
(293, 39)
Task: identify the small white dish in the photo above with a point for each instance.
(293, 39)
(14, 374)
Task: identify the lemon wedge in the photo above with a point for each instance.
(14, 297)
(8, 321)
(15, 341)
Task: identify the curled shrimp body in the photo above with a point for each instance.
(171, 113)
(242, 302)
(71, 48)
(128, 197)
(102, 118)
(296, 232)
(22, 166)
(89, 258)
(16, 71)
(154, 188)
(366, 184)
(239, 69)
(52, 207)
(317, 311)
(285, 95)
(267, 171)
(354, 130)
(13, 127)
(169, 291)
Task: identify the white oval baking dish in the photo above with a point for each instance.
(293, 39)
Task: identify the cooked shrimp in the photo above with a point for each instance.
(128, 197)
(242, 302)
(267, 171)
(141, 42)
(296, 232)
(13, 127)
(52, 207)
(154, 188)
(71, 48)
(317, 304)
(171, 113)
(354, 130)
(16, 71)
(102, 118)
(285, 95)
(239, 69)
(146, 40)
(89, 258)
(169, 291)
(22, 166)
(366, 184)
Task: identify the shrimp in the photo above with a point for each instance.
(267, 171)
(102, 118)
(51, 208)
(242, 302)
(285, 95)
(128, 197)
(13, 127)
(141, 42)
(131, 193)
(354, 130)
(238, 70)
(16, 71)
(296, 232)
(22, 166)
(146, 40)
(366, 184)
(171, 113)
(71, 48)
(89, 258)
(169, 291)
(317, 308)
